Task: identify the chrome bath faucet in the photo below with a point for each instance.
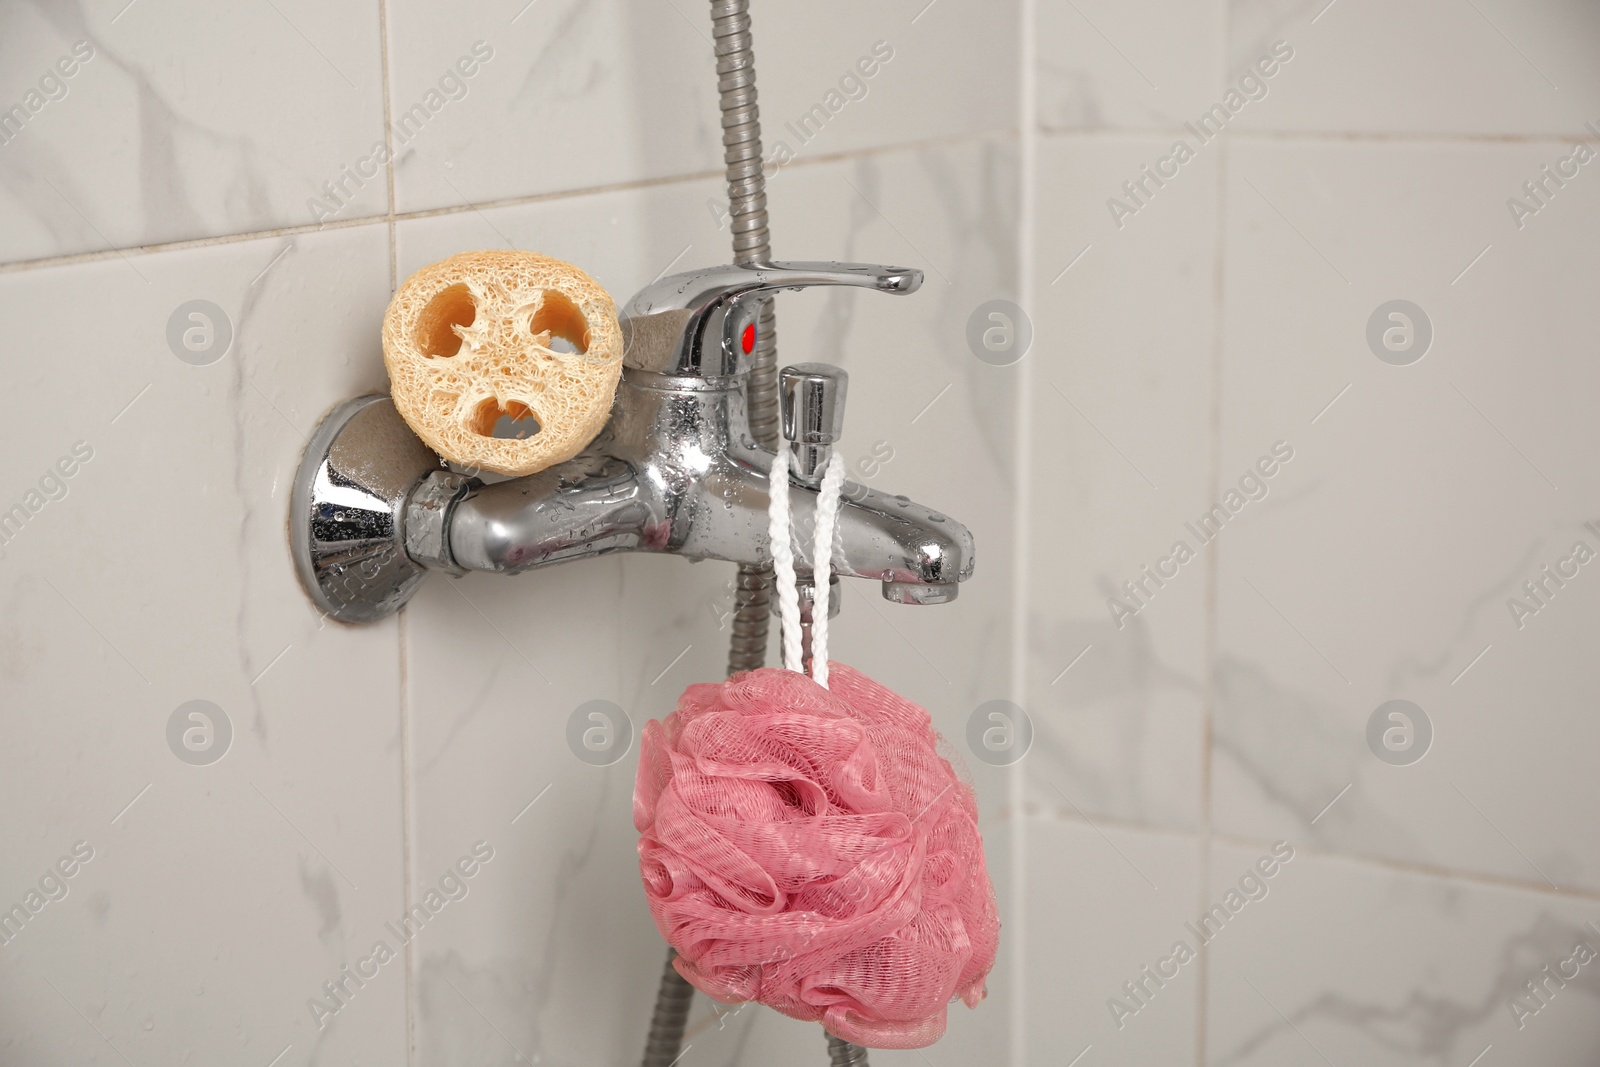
(674, 471)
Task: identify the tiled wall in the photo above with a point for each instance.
(233, 154)
(1226, 709)
(229, 153)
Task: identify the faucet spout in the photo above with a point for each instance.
(588, 506)
(599, 503)
(918, 554)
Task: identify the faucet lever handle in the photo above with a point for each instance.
(811, 397)
(702, 323)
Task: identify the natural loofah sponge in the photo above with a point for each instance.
(475, 367)
(809, 848)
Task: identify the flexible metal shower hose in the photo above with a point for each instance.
(671, 1014)
(747, 213)
(842, 1053)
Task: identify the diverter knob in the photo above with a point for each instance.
(811, 396)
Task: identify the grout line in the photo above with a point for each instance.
(981, 137)
(407, 824)
(1323, 136)
(1021, 516)
(1496, 828)
(992, 135)
(389, 144)
(402, 629)
(178, 246)
(1212, 572)
(1035, 810)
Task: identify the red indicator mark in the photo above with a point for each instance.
(747, 340)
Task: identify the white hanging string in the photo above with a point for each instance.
(778, 532)
(822, 566)
(783, 560)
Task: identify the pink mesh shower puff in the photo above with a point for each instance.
(809, 848)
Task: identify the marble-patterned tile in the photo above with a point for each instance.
(1120, 395)
(1392, 555)
(1490, 67)
(566, 95)
(1152, 64)
(496, 666)
(1338, 961)
(149, 456)
(1107, 908)
(184, 120)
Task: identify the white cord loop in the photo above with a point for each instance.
(822, 566)
(783, 560)
(778, 521)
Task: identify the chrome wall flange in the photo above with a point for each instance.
(346, 519)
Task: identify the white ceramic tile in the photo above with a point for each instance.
(497, 665)
(220, 897)
(1488, 67)
(189, 120)
(1341, 962)
(578, 95)
(1104, 903)
(947, 68)
(1120, 395)
(1415, 508)
(1104, 65)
